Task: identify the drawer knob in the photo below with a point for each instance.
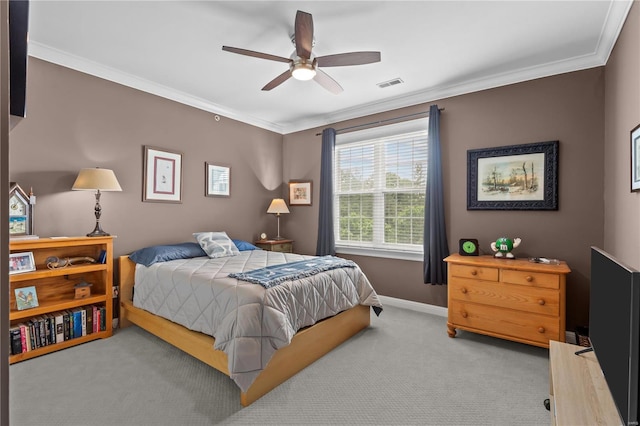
(529, 278)
(541, 330)
(463, 290)
(464, 314)
(541, 302)
(474, 272)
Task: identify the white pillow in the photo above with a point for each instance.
(216, 244)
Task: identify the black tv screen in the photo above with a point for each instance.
(18, 38)
(614, 329)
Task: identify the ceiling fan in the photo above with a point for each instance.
(303, 65)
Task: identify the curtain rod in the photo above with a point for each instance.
(352, 128)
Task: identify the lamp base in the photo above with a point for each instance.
(98, 232)
(279, 238)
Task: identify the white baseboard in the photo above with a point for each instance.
(414, 306)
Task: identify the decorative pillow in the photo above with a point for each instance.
(244, 245)
(216, 244)
(149, 255)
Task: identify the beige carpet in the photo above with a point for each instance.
(403, 370)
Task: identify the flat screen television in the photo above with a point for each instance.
(614, 329)
(18, 39)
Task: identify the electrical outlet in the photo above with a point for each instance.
(115, 291)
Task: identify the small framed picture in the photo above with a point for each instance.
(218, 180)
(300, 193)
(635, 159)
(26, 297)
(21, 262)
(162, 175)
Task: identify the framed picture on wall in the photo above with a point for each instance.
(300, 193)
(162, 175)
(516, 177)
(218, 180)
(635, 159)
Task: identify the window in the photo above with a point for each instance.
(379, 190)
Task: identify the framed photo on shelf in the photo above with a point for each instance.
(635, 159)
(300, 193)
(217, 180)
(26, 298)
(516, 177)
(21, 262)
(162, 175)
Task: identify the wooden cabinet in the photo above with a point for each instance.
(284, 246)
(578, 391)
(55, 289)
(512, 299)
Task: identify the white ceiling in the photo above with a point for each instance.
(438, 48)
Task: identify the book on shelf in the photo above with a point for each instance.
(59, 324)
(83, 321)
(23, 336)
(77, 322)
(16, 342)
(67, 324)
(89, 319)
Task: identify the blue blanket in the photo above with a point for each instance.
(276, 274)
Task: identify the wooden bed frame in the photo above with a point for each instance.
(307, 345)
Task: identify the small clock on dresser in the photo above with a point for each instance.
(20, 211)
(468, 247)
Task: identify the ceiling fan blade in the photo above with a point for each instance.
(304, 34)
(345, 59)
(278, 80)
(256, 54)
(323, 79)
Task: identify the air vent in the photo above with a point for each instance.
(390, 83)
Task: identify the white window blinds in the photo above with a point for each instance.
(379, 187)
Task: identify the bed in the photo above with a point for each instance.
(264, 335)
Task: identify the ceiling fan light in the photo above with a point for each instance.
(303, 71)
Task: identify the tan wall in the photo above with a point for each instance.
(75, 120)
(622, 114)
(567, 107)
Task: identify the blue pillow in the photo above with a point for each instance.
(149, 255)
(244, 245)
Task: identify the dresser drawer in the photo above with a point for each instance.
(283, 246)
(523, 298)
(504, 322)
(536, 279)
(474, 272)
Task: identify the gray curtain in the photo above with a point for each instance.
(435, 233)
(326, 241)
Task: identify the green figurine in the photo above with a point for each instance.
(503, 247)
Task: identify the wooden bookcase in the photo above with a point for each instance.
(55, 287)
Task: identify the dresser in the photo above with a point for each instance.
(512, 299)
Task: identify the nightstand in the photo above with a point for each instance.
(283, 246)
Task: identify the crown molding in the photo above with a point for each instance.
(49, 54)
(618, 10)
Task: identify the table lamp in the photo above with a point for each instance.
(278, 206)
(97, 179)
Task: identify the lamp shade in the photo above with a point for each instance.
(278, 206)
(96, 179)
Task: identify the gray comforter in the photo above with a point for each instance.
(249, 323)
